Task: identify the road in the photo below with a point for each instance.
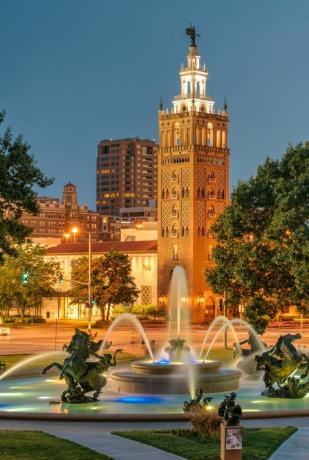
(48, 337)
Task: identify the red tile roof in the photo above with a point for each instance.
(105, 246)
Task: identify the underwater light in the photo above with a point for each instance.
(138, 399)
(163, 361)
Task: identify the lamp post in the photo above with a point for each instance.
(74, 231)
(224, 314)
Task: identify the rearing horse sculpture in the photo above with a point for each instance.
(83, 376)
(286, 371)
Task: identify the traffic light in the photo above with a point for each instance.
(25, 278)
(93, 302)
(60, 278)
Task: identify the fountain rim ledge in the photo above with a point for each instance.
(52, 417)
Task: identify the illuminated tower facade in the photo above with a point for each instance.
(193, 184)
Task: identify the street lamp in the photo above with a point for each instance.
(75, 230)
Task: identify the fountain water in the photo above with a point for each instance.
(179, 313)
(181, 370)
(127, 317)
(229, 325)
(25, 362)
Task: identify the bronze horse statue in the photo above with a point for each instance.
(83, 376)
(286, 370)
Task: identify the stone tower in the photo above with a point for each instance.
(193, 184)
(69, 196)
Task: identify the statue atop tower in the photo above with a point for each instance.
(192, 34)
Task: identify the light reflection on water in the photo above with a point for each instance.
(37, 393)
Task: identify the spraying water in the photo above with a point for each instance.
(136, 323)
(179, 314)
(27, 361)
(222, 329)
(227, 324)
(259, 344)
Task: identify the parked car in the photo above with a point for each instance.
(5, 330)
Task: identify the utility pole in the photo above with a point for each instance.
(89, 284)
(224, 314)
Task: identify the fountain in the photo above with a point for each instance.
(176, 370)
(155, 387)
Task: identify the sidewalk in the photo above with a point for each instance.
(296, 447)
(97, 436)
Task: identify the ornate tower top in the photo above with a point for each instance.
(193, 80)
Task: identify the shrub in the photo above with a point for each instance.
(205, 422)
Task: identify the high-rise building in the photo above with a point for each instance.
(126, 174)
(193, 183)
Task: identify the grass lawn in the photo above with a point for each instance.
(258, 443)
(35, 445)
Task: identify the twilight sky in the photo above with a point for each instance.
(74, 72)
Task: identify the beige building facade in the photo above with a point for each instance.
(143, 258)
(193, 185)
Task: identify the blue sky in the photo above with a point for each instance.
(77, 71)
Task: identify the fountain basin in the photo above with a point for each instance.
(148, 367)
(154, 378)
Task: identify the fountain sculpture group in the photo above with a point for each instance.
(81, 375)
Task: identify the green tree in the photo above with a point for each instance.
(26, 292)
(18, 175)
(111, 282)
(262, 253)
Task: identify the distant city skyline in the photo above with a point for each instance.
(76, 72)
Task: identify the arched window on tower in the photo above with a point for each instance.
(210, 135)
(218, 138)
(175, 210)
(188, 88)
(223, 139)
(211, 193)
(198, 88)
(187, 192)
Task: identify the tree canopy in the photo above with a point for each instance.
(111, 281)
(18, 175)
(262, 253)
(26, 278)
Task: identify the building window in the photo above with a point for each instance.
(146, 295)
(175, 252)
(210, 135)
